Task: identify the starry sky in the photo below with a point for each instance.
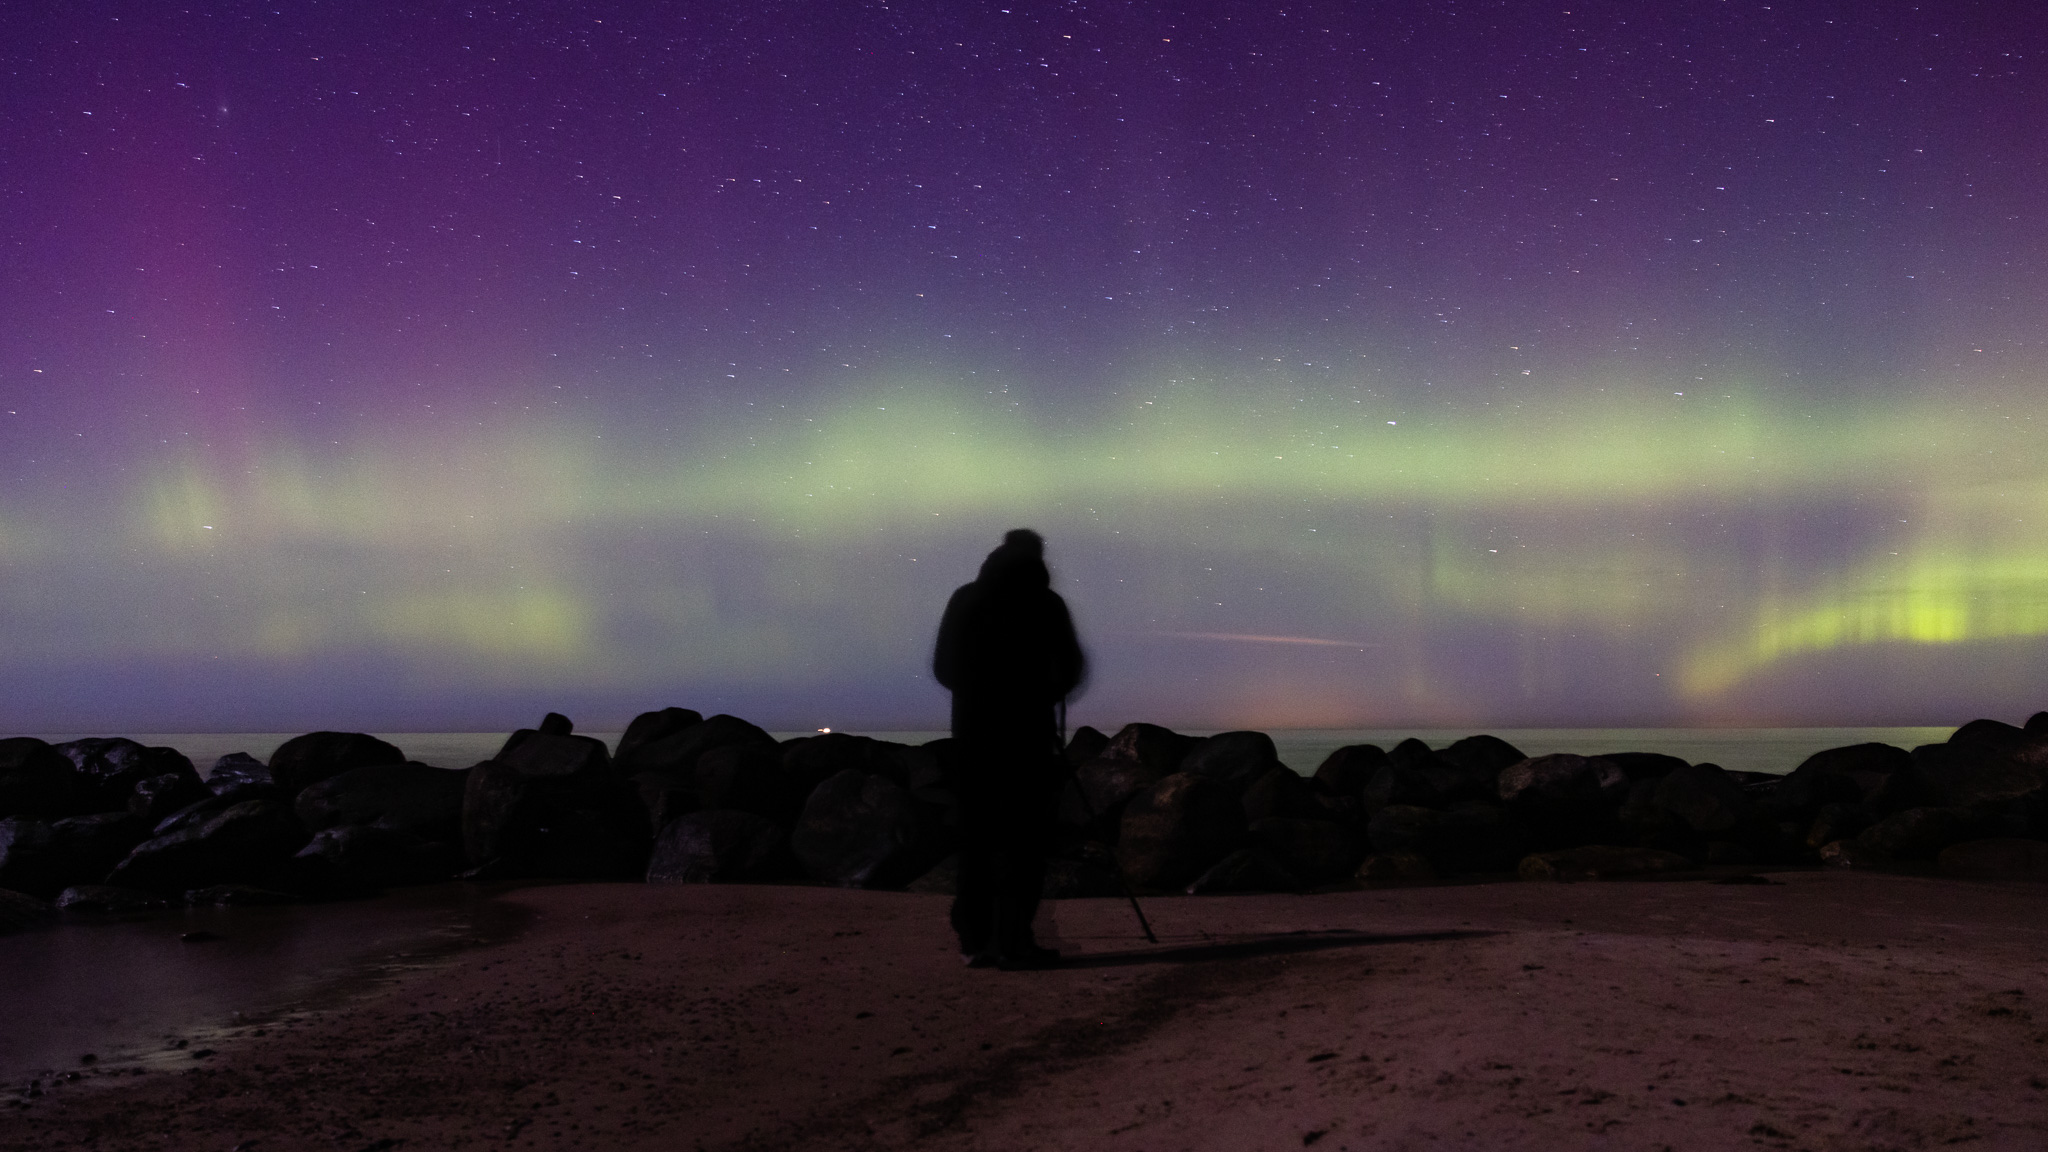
(430, 366)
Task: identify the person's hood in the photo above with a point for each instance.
(1020, 559)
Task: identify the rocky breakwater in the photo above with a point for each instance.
(110, 824)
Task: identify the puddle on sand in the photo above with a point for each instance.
(127, 990)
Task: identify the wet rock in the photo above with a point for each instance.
(720, 846)
(109, 899)
(1232, 759)
(1708, 799)
(1392, 869)
(1315, 852)
(158, 796)
(678, 750)
(1996, 859)
(316, 756)
(240, 770)
(108, 768)
(861, 830)
(1564, 800)
(248, 842)
(1158, 750)
(649, 727)
(1600, 862)
(1245, 870)
(354, 857)
(20, 911)
(1281, 791)
(417, 799)
(552, 806)
(37, 781)
(1176, 829)
(1346, 771)
(43, 858)
(1086, 745)
(1917, 833)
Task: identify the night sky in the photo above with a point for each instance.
(430, 366)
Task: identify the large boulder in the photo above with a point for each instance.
(238, 770)
(20, 911)
(1402, 785)
(551, 805)
(108, 768)
(1469, 836)
(665, 795)
(248, 843)
(720, 846)
(1483, 757)
(43, 859)
(1565, 800)
(1086, 744)
(861, 830)
(413, 798)
(1600, 862)
(1281, 791)
(751, 778)
(649, 727)
(1645, 765)
(158, 796)
(315, 756)
(1092, 806)
(352, 857)
(1995, 770)
(38, 781)
(1176, 829)
(1159, 750)
(1706, 797)
(1346, 771)
(1315, 852)
(677, 751)
(1918, 833)
(1871, 773)
(106, 898)
(1232, 759)
(1996, 859)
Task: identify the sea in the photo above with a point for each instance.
(149, 990)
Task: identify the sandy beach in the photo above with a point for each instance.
(1827, 1010)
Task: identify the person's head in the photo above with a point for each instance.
(1020, 558)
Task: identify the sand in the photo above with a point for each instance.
(1828, 1010)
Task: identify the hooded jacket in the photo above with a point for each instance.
(1007, 647)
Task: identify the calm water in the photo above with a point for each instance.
(1302, 749)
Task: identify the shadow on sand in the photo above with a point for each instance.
(1281, 945)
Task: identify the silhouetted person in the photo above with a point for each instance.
(1007, 650)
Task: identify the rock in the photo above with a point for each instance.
(1565, 800)
(158, 796)
(943, 879)
(1708, 799)
(240, 770)
(414, 798)
(237, 896)
(861, 830)
(1848, 854)
(1483, 757)
(1646, 825)
(649, 727)
(1093, 805)
(315, 756)
(1176, 829)
(1468, 770)
(1917, 833)
(1989, 734)
(1281, 791)
(1158, 750)
(246, 843)
(1315, 852)
(1402, 828)
(1400, 785)
(556, 724)
(355, 857)
(665, 795)
(108, 768)
(1086, 745)
(1470, 836)
(551, 805)
(1999, 859)
(1346, 771)
(1599, 862)
(37, 781)
(20, 911)
(1837, 822)
(2037, 723)
(1232, 759)
(720, 846)
(1389, 869)
(2002, 775)
(809, 761)
(42, 859)
(1245, 870)
(678, 750)
(1645, 765)
(751, 778)
(107, 898)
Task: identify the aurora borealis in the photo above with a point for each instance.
(369, 365)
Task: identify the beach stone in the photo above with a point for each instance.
(649, 727)
(315, 756)
(413, 798)
(1244, 870)
(247, 842)
(38, 781)
(678, 750)
(240, 770)
(1086, 744)
(1996, 859)
(721, 846)
(1159, 750)
(551, 805)
(360, 856)
(1176, 829)
(1093, 805)
(1232, 759)
(1707, 798)
(1346, 771)
(108, 898)
(109, 767)
(43, 858)
(861, 830)
(1392, 869)
(1564, 799)
(1314, 852)
(1917, 833)
(1281, 791)
(1599, 862)
(158, 796)
(20, 911)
